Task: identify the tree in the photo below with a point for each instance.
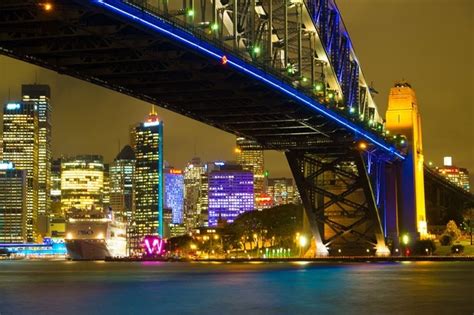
(453, 230)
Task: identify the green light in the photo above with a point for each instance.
(402, 141)
(318, 87)
(191, 13)
(405, 239)
(305, 79)
(331, 95)
(371, 122)
(352, 110)
(266, 173)
(256, 50)
(214, 26)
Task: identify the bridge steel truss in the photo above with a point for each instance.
(340, 197)
(279, 72)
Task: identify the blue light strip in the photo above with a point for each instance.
(180, 35)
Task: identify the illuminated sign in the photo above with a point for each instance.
(151, 123)
(219, 163)
(13, 106)
(173, 171)
(6, 165)
(153, 245)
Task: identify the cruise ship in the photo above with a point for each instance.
(95, 235)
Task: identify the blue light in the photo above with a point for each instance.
(212, 51)
(151, 123)
(6, 165)
(13, 106)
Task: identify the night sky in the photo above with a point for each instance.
(427, 42)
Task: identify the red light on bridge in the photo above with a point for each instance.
(224, 60)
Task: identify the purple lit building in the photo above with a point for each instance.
(230, 194)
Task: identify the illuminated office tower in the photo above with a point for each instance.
(193, 174)
(122, 172)
(203, 201)
(13, 214)
(174, 193)
(39, 95)
(55, 192)
(250, 156)
(106, 187)
(231, 193)
(82, 183)
(281, 190)
(148, 214)
(457, 175)
(20, 146)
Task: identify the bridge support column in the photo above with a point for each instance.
(390, 204)
(338, 198)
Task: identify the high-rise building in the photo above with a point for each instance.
(250, 156)
(457, 175)
(281, 190)
(148, 214)
(20, 146)
(13, 212)
(82, 182)
(122, 172)
(231, 193)
(174, 193)
(203, 202)
(55, 192)
(106, 187)
(39, 95)
(193, 175)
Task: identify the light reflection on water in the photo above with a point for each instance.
(39, 287)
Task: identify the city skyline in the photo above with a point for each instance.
(74, 101)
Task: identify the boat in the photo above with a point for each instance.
(95, 235)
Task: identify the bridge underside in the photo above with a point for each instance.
(93, 45)
(80, 40)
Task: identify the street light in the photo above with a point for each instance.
(303, 241)
(405, 239)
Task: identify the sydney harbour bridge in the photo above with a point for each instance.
(281, 73)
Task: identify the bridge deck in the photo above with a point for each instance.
(123, 53)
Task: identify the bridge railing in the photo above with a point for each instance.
(198, 32)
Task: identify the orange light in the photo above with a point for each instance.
(174, 171)
(47, 6)
(237, 150)
(224, 60)
(362, 145)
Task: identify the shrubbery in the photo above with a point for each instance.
(457, 249)
(424, 247)
(446, 240)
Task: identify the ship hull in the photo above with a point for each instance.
(87, 249)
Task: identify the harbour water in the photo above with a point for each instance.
(66, 287)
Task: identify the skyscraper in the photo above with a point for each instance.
(231, 193)
(13, 214)
(55, 193)
(82, 182)
(148, 214)
(193, 189)
(281, 190)
(250, 156)
(122, 172)
(20, 146)
(39, 96)
(174, 193)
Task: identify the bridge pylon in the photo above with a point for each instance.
(403, 118)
